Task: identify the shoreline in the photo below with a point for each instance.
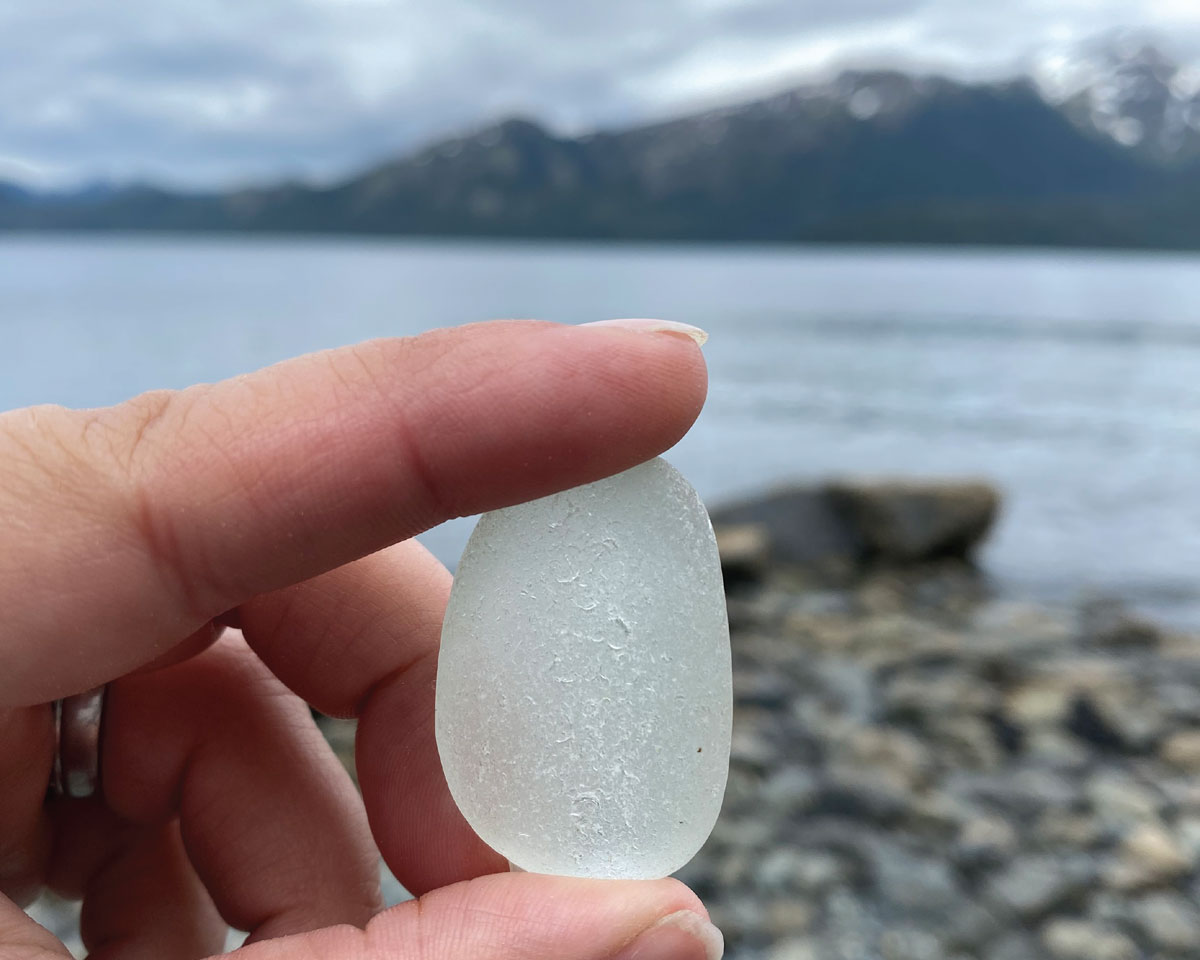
(926, 769)
(922, 771)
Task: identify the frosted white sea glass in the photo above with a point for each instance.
(583, 692)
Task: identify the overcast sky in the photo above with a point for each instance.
(218, 91)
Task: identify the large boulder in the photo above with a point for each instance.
(908, 521)
(839, 527)
(802, 527)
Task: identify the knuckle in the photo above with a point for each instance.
(135, 445)
(44, 457)
(124, 435)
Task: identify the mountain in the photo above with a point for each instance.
(12, 194)
(873, 156)
(1132, 93)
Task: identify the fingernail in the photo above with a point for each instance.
(677, 936)
(655, 326)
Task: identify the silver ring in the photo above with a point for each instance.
(77, 721)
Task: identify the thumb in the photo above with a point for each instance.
(521, 916)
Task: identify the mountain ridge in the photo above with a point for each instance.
(871, 156)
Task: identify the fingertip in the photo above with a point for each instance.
(539, 407)
(657, 376)
(671, 352)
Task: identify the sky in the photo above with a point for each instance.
(205, 93)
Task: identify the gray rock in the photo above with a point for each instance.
(788, 916)
(762, 688)
(910, 944)
(745, 551)
(1024, 794)
(1120, 801)
(852, 932)
(971, 927)
(1149, 856)
(1168, 921)
(743, 833)
(906, 520)
(1056, 748)
(764, 608)
(743, 787)
(874, 796)
(794, 948)
(1044, 700)
(934, 694)
(1105, 621)
(1111, 909)
(750, 741)
(738, 915)
(970, 742)
(1032, 886)
(779, 869)
(1014, 945)
(1187, 827)
(897, 754)
(1067, 939)
(985, 842)
(937, 815)
(1063, 828)
(817, 871)
(1182, 750)
(848, 686)
(917, 885)
(804, 529)
(834, 528)
(1134, 718)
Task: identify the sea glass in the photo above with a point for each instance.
(583, 688)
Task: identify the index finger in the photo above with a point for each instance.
(128, 528)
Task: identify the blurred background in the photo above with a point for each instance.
(937, 240)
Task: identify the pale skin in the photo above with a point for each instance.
(226, 556)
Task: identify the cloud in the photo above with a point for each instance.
(207, 91)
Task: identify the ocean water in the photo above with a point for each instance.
(1070, 379)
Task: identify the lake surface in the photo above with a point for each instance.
(1070, 379)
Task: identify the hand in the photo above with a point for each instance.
(227, 555)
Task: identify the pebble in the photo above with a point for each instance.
(985, 842)
(1168, 921)
(1119, 800)
(1080, 940)
(1182, 750)
(794, 948)
(927, 786)
(819, 871)
(1033, 886)
(791, 788)
(789, 916)
(1063, 828)
(910, 944)
(1149, 856)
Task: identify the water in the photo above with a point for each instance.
(1071, 379)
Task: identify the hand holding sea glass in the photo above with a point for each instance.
(584, 696)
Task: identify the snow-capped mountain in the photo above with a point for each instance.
(1129, 90)
(1102, 147)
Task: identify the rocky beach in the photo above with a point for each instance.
(924, 771)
